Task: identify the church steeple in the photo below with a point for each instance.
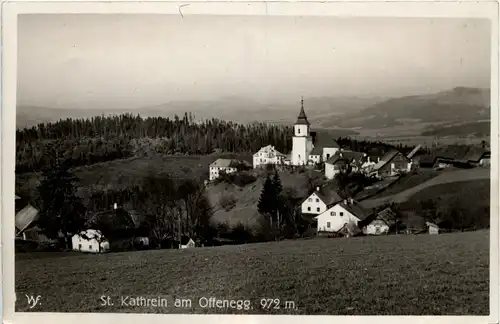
(302, 118)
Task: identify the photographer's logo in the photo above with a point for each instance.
(32, 300)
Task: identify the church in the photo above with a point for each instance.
(307, 146)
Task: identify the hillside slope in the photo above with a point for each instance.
(247, 198)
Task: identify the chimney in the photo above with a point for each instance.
(115, 206)
(317, 188)
(345, 201)
(351, 201)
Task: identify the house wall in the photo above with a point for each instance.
(331, 170)
(215, 171)
(433, 230)
(329, 152)
(377, 227)
(333, 219)
(189, 245)
(485, 162)
(315, 158)
(313, 205)
(88, 245)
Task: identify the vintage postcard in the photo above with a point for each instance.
(250, 158)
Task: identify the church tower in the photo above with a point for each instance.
(302, 140)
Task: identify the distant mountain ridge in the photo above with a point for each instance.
(457, 105)
(460, 104)
(230, 108)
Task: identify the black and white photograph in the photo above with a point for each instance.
(253, 164)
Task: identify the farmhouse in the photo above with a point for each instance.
(380, 223)
(391, 164)
(433, 228)
(223, 165)
(268, 155)
(336, 217)
(319, 200)
(461, 156)
(90, 240)
(186, 243)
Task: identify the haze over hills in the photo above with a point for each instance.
(229, 108)
(457, 105)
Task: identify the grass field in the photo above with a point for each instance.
(408, 181)
(444, 274)
(450, 178)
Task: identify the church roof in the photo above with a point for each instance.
(302, 118)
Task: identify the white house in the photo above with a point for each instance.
(186, 243)
(268, 155)
(336, 217)
(319, 201)
(224, 165)
(90, 240)
(334, 165)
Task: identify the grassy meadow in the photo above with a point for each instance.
(444, 274)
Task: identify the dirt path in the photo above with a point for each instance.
(445, 177)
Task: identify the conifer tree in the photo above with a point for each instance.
(61, 210)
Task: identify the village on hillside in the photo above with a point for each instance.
(336, 203)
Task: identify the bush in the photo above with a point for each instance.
(122, 245)
(242, 179)
(227, 202)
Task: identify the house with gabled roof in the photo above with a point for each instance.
(336, 216)
(268, 155)
(319, 200)
(224, 165)
(392, 163)
(379, 223)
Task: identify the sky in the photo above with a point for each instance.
(137, 61)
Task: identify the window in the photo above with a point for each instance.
(298, 130)
(332, 213)
(90, 247)
(317, 209)
(80, 246)
(310, 200)
(328, 225)
(308, 208)
(317, 200)
(341, 213)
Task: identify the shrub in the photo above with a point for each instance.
(227, 202)
(242, 179)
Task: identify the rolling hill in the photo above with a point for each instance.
(457, 105)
